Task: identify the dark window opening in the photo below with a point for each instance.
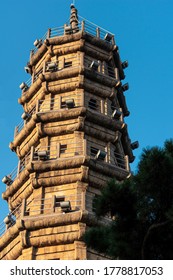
(111, 71)
(63, 104)
(92, 104)
(27, 212)
(64, 205)
(58, 200)
(54, 259)
(93, 151)
(63, 148)
(119, 159)
(52, 103)
(67, 64)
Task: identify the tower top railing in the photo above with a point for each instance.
(83, 25)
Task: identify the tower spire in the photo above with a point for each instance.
(74, 17)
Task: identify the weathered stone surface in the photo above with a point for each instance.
(75, 88)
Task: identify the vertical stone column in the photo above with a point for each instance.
(80, 250)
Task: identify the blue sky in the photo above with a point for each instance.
(144, 33)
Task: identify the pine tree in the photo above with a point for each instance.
(142, 210)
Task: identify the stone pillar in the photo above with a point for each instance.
(80, 250)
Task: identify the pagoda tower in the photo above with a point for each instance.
(72, 140)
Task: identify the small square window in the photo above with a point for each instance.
(63, 148)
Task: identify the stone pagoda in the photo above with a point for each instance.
(72, 140)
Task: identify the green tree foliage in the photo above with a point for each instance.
(141, 208)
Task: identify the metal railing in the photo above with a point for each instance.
(94, 30)
(59, 150)
(36, 75)
(28, 83)
(56, 31)
(68, 149)
(55, 104)
(85, 25)
(103, 68)
(73, 63)
(120, 160)
(76, 202)
(31, 80)
(20, 167)
(59, 102)
(10, 220)
(21, 125)
(116, 159)
(53, 205)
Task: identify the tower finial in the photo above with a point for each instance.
(74, 16)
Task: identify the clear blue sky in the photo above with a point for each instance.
(144, 33)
